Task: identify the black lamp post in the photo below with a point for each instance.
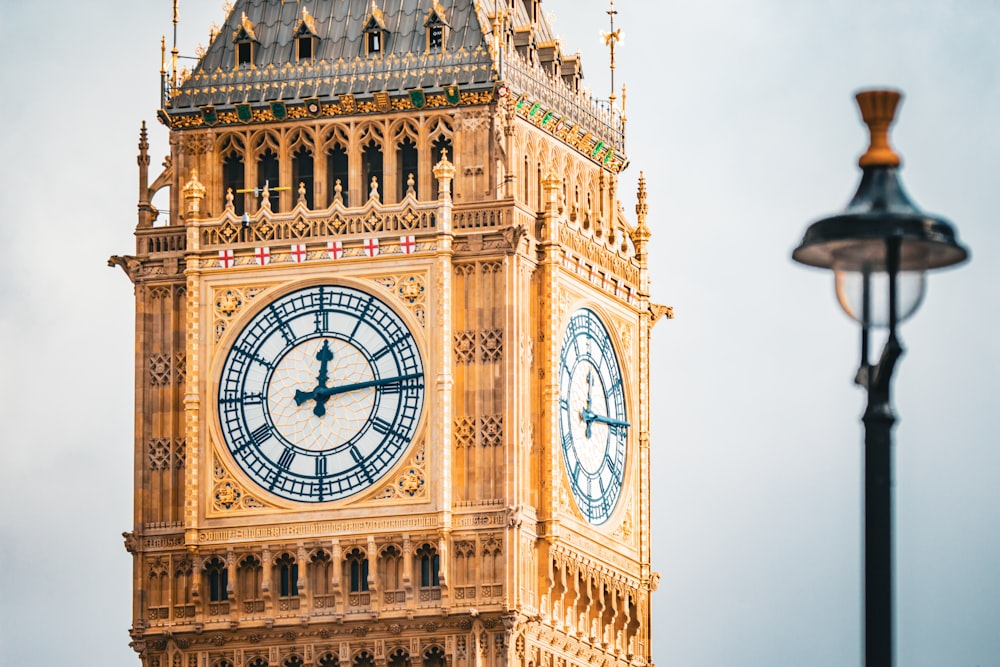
(879, 249)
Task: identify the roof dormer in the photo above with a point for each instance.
(550, 58)
(572, 71)
(305, 38)
(524, 42)
(375, 32)
(436, 28)
(246, 43)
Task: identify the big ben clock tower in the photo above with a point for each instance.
(392, 342)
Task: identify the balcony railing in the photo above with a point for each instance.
(591, 114)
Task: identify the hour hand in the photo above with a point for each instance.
(324, 356)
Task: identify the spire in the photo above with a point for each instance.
(145, 210)
(641, 233)
(611, 38)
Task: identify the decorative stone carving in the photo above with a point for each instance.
(158, 453)
(227, 494)
(410, 483)
(227, 302)
(160, 368)
(465, 346)
(411, 290)
(491, 345)
(465, 432)
(491, 430)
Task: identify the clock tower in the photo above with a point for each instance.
(392, 343)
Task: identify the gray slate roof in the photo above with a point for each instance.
(340, 64)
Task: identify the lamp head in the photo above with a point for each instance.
(855, 241)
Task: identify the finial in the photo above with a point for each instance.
(143, 139)
(174, 52)
(878, 110)
(194, 192)
(373, 193)
(444, 172)
(163, 55)
(612, 38)
(410, 192)
(265, 196)
(338, 193)
(302, 192)
(641, 232)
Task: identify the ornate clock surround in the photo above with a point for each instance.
(404, 481)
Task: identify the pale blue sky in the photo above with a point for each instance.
(742, 116)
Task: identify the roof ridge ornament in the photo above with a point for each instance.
(375, 15)
(308, 21)
(246, 26)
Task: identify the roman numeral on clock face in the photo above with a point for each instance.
(261, 434)
(285, 462)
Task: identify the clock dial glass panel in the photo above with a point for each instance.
(321, 393)
(593, 423)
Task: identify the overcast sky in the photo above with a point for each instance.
(742, 115)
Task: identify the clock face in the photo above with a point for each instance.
(592, 422)
(321, 393)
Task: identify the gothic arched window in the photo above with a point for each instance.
(302, 173)
(441, 148)
(328, 660)
(357, 568)
(407, 166)
(320, 574)
(430, 563)
(371, 168)
(288, 576)
(337, 171)
(250, 582)
(434, 657)
(233, 180)
(217, 575)
(267, 174)
(398, 658)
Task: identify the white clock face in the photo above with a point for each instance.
(321, 393)
(592, 418)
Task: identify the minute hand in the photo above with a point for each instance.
(323, 392)
(590, 416)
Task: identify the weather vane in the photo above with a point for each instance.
(611, 39)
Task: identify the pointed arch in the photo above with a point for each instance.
(391, 575)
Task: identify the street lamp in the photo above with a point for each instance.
(879, 249)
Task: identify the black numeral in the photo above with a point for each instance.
(261, 435)
(285, 462)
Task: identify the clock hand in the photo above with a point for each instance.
(321, 394)
(325, 356)
(590, 417)
(590, 394)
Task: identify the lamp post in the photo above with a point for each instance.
(879, 249)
